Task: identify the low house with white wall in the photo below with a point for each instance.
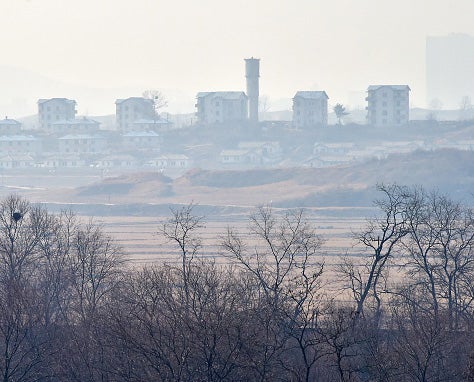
(170, 161)
(117, 161)
(234, 156)
(12, 161)
(141, 140)
(75, 126)
(62, 161)
(82, 144)
(327, 160)
(9, 126)
(20, 144)
(157, 124)
(340, 148)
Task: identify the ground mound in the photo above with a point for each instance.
(129, 184)
(449, 171)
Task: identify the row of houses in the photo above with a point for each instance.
(163, 162)
(387, 105)
(333, 154)
(255, 154)
(79, 143)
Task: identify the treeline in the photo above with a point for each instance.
(73, 309)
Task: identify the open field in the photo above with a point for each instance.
(143, 244)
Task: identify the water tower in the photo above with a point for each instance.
(252, 74)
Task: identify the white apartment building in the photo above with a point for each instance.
(133, 109)
(54, 110)
(310, 109)
(219, 107)
(388, 105)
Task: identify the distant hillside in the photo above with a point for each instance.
(449, 171)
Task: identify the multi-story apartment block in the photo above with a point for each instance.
(133, 109)
(310, 109)
(219, 107)
(388, 105)
(54, 110)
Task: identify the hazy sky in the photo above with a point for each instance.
(340, 46)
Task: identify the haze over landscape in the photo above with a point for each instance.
(237, 191)
(96, 52)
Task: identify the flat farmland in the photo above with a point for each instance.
(143, 243)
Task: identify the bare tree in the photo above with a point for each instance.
(18, 238)
(380, 238)
(281, 257)
(183, 229)
(423, 346)
(159, 100)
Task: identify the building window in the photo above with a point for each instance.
(384, 112)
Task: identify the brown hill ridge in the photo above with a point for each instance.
(450, 171)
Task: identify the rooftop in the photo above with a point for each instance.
(141, 134)
(82, 136)
(78, 121)
(42, 100)
(311, 94)
(225, 95)
(8, 121)
(395, 87)
(158, 121)
(7, 138)
(134, 99)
